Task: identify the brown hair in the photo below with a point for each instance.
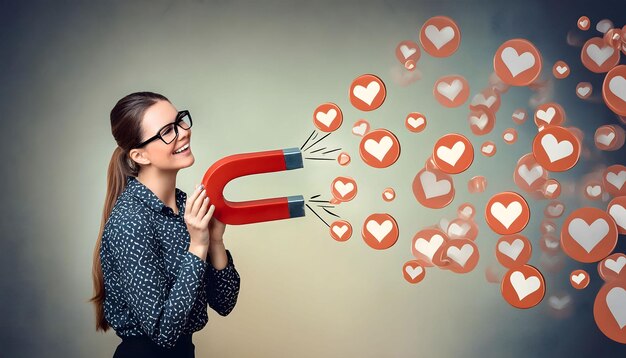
(126, 118)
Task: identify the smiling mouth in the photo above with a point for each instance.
(185, 150)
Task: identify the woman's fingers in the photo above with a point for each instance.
(203, 208)
(207, 217)
(197, 204)
(191, 199)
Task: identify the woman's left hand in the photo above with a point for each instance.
(216, 230)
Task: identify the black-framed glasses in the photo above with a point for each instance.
(169, 132)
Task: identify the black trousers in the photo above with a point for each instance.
(144, 347)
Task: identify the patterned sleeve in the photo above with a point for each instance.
(222, 286)
(162, 314)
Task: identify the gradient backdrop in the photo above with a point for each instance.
(251, 73)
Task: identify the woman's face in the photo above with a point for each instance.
(157, 153)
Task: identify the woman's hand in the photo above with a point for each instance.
(197, 216)
(216, 230)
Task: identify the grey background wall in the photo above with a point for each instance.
(251, 73)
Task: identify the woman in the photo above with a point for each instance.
(151, 271)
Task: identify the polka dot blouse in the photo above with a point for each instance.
(153, 285)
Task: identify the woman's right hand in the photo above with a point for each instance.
(197, 217)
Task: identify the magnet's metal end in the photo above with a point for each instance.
(296, 206)
(293, 158)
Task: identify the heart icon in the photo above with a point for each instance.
(605, 139)
(550, 189)
(516, 63)
(480, 99)
(506, 215)
(509, 137)
(429, 248)
(360, 129)
(451, 155)
(599, 55)
(326, 118)
(407, 51)
(588, 236)
(378, 149)
(617, 180)
(340, 230)
(439, 38)
(461, 255)
(433, 187)
(616, 301)
(618, 213)
(450, 91)
(615, 265)
(578, 278)
(344, 159)
(479, 122)
(524, 286)
(458, 230)
(379, 231)
(531, 175)
(414, 271)
(343, 188)
(519, 115)
(583, 91)
(415, 122)
(584, 23)
(367, 94)
(558, 303)
(388, 195)
(594, 190)
(556, 150)
(617, 85)
(511, 250)
(488, 149)
(561, 69)
(546, 115)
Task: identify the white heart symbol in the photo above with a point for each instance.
(360, 129)
(551, 244)
(433, 187)
(479, 122)
(524, 286)
(617, 85)
(439, 37)
(451, 155)
(343, 188)
(343, 159)
(556, 150)
(407, 51)
(617, 180)
(583, 23)
(458, 230)
(599, 55)
(605, 139)
(388, 195)
(558, 303)
(546, 115)
(616, 301)
(488, 149)
(519, 115)
(615, 265)
(467, 211)
(588, 236)
(594, 190)
(379, 231)
(506, 215)
(517, 63)
(508, 137)
(513, 249)
(556, 209)
(618, 213)
(368, 94)
(326, 118)
(415, 122)
(551, 188)
(378, 149)
(461, 255)
(480, 99)
(450, 91)
(561, 69)
(604, 25)
(340, 230)
(583, 91)
(428, 248)
(531, 175)
(578, 278)
(414, 271)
